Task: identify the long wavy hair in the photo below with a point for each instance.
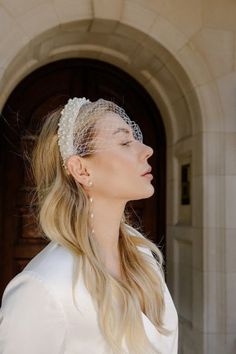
(63, 216)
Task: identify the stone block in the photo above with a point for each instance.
(182, 116)
(197, 240)
(166, 34)
(214, 343)
(137, 16)
(230, 343)
(230, 201)
(211, 107)
(73, 10)
(38, 19)
(231, 302)
(111, 9)
(197, 155)
(172, 198)
(230, 250)
(217, 48)
(226, 87)
(18, 8)
(214, 207)
(213, 249)
(213, 153)
(194, 64)
(197, 201)
(186, 15)
(219, 14)
(230, 153)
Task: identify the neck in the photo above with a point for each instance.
(106, 225)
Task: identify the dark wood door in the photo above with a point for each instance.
(22, 116)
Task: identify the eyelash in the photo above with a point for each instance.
(126, 144)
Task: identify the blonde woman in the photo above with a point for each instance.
(96, 287)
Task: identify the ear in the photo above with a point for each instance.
(76, 166)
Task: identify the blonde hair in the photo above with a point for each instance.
(63, 209)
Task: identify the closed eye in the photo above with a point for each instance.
(127, 143)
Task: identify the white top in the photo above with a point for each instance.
(38, 315)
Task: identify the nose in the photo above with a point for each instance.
(148, 151)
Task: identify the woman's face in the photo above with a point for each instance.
(117, 168)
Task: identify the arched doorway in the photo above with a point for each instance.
(23, 113)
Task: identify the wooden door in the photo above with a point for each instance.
(21, 119)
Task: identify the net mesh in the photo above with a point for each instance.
(87, 127)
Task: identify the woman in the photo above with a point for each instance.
(96, 287)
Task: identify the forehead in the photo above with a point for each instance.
(111, 125)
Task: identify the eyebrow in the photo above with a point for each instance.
(123, 130)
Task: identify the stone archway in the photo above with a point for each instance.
(161, 58)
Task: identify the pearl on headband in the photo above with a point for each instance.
(66, 126)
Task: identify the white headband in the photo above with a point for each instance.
(66, 126)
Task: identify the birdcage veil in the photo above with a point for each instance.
(79, 122)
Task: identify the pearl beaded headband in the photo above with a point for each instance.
(66, 126)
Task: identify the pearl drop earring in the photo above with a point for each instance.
(91, 214)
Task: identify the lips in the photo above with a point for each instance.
(147, 171)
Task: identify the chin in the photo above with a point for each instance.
(150, 193)
(146, 194)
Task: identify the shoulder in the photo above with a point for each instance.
(53, 265)
(24, 291)
(50, 271)
(52, 259)
(31, 317)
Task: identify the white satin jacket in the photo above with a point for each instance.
(38, 315)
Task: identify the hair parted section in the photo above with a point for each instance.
(63, 209)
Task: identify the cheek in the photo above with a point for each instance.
(117, 162)
(114, 169)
